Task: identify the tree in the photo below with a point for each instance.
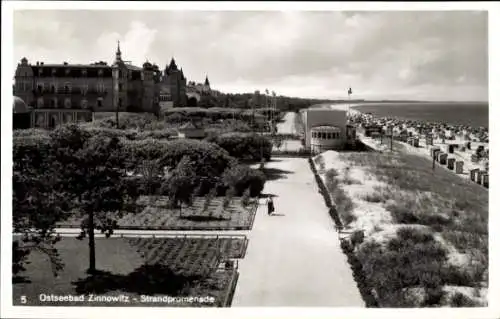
(39, 202)
(92, 169)
(245, 199)
(228, 198)
(150, 171)
(181, 184)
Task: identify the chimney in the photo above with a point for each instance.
(37, 63)
(65, 63)
(41, 63)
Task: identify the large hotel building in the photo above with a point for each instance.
(60, 93)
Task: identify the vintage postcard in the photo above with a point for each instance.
(259, 159)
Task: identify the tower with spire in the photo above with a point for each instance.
(175, 80)
(118, 54)
(120, 81)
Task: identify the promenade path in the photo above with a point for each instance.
(288, 127)
(294, 257)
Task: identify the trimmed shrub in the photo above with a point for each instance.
(242, 177)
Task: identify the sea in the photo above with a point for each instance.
(474, 114)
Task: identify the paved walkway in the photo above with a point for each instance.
(294, 258)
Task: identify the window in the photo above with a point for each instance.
(39, 87)
(99, 72)
(120, 102)
(120, 74)
(39, 102)
(84, 73)
(120, 87)
(67, 87)
(100, 87)
(84, 89)
(53, 72)
(99, 102)
(53, 88)
(67, 103)
(84, 103)
(67, 71)
(53, 103)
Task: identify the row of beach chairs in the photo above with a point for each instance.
(476, 175)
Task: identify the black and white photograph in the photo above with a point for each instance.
(194, 156)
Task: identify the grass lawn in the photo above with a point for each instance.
(132, 267)
(425, 240)
(158, 216)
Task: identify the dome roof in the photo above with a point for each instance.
(18, 106)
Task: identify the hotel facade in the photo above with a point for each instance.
(60, 93)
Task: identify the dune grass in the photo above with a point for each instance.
(437, 216)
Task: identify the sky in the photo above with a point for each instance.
(427, 55)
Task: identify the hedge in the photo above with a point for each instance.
(245, 146)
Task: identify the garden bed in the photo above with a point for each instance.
(125, 271)
(158, 216)
(189, 255)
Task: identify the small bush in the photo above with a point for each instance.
(344, 205)
(460, 300)
(375, 197)
(242, 177)
(434, 297)
(357, 237)
(402, 213)
(347, 246)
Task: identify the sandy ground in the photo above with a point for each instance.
(368, 215)
(294, 258)
(375, 220)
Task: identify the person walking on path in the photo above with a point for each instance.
(270, 206)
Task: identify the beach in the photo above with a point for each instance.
(443, 135)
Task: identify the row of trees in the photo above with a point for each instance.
(244, 101)
(74, 171)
